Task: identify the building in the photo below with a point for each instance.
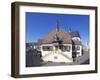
(60, 46)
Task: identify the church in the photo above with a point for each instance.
(60, 46)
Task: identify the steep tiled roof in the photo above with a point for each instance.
(63, 36)
(76, 42)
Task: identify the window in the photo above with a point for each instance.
(77, 47)
(66, 48)
(47, 48)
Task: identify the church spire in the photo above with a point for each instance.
(57, 26)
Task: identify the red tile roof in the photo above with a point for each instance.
(65, 37)
(76, 42)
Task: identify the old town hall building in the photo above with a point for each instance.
(60, 46)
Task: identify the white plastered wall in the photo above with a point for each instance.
(62, 56)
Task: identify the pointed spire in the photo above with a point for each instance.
(57, 26)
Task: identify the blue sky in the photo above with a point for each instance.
(38, 25)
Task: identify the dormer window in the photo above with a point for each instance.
(56, 40)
